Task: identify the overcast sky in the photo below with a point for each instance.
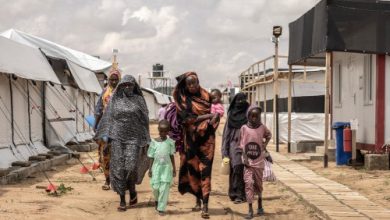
(215, 38)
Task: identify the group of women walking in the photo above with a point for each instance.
(122, 131)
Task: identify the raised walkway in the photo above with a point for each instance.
(331, 199)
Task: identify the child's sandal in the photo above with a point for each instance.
(260, 211)
(249, 215)
(122, 208)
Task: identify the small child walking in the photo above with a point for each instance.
(163, 169)
(254, 139)
(216, 103)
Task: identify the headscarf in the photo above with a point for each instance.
(190, 106)
(237, 113)
(126, 118)
(247, 115)
(109, 90)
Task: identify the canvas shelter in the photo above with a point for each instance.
(352, 40)
(69, 103)
(155, 100)
(23, 72)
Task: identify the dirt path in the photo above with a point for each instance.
(88, 201)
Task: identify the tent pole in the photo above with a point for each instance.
(276, 96)
(43, 105)
(12, 110)
(28, 110)
(327, 98)
(265, 95)
(289, 108)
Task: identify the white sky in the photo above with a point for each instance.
(215, 38)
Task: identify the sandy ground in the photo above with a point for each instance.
(88, 201)
(375, 185)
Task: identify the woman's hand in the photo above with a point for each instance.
(214, 118)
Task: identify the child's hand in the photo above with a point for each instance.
(150, 173)
(174, 173)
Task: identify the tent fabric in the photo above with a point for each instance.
(25, 62)
(307, 126)
(161, 99)
(5, 101)
(58, 51)
(85, 79)
(339, 25)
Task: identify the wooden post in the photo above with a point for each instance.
(276, 96)
(289, 106)
(327, 99)
(265, 95)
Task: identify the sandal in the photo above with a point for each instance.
(106, 187)
(205, 215)
(197, 208)
(238, 201)
(260, 211)
(249, 215)
(133, 201)
(122, 208)
(161, 213)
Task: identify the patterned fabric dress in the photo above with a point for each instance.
(196, 159)
(105, 147)
(252, 144)
(126, 124)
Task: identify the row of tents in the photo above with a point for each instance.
(46, 92)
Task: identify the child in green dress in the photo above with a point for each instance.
(163, 169)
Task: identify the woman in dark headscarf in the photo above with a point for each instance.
(126, 124)
(193, 105)
(230, 146)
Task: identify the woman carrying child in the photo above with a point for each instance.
(253, 142)
(163, 169)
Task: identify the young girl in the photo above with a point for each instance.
(216, 106)
(163, 169)
(254, 139)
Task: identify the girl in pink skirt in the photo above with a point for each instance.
(254, 139)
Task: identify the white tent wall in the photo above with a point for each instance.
(36, 111)
(59, 133)
(151, 104)
(20, 109)
(5, 128)
(306, 126)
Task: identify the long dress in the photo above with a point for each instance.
(126, 124)
(162, 170)
(252, 144)
(230, 148)
(196, 159)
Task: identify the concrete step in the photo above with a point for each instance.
(331, 152)
(315, 156)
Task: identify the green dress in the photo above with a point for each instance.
(162, 170)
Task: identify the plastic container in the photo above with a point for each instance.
(225, 166)
(342, 157)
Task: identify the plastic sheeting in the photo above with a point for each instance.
(85, 79)
(58, 51)
(305, 127)
(5, 101)
(25, 62)
(339, 25)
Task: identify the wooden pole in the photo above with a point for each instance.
(265, 95)
(289, 108)
(327, 99)
(276, 95)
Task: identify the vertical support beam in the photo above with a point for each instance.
(327, 98)
(380, 102)
(276, 95)
(29, 110)
(43, 106)
(289, 106)
(265, 94)
(12, 110)
(304, 72)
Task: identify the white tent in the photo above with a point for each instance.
(154, 101)
(68, 107)
(21, 132)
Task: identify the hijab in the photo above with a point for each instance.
(237, 113)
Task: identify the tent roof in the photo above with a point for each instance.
(160, 98)
(25, 62)
(58, 51)
(361, 26)
(82, 63)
